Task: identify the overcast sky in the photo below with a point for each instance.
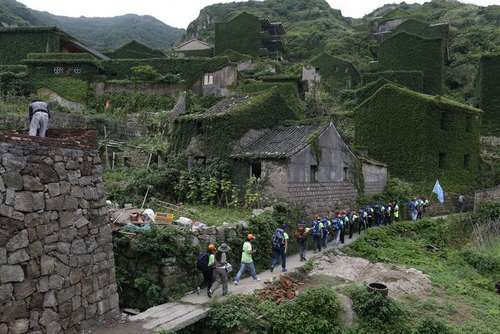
(179, 13)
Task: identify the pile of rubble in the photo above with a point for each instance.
(283, 290)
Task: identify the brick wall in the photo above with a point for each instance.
(57, 271)
(321, 198)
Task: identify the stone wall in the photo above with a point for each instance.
(491, 195)
(321, 198)
(57, 272)
(172, 90)
(375, 178)
(126, 128)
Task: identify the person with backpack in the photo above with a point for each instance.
(337, 226)
(222, 269)
(301, 237)
(325, 232)
(317, 233)
(205, 264)
(280, 247)
(396, 211)
(247, 260)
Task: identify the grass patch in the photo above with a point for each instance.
(72, 89)
(214, 216)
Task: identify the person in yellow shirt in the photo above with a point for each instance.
(247, 260)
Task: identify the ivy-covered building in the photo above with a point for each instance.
(249, 34)
(420, 137)
(413, 80)
(307, 164)
(82, 65)
(408, 52)
(212, 134)
(332, 72)
(135, 50)
(194, 48)
(17, 42)
(489, 93)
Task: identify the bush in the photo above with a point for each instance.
(432, 326)
(378, 313)
(236, 313)
(484, 263)
(144, 73)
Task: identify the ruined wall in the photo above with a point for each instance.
(57, 271)
(487, 196)
(101, 88)
(375, 178)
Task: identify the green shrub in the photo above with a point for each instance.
(236, 313)
(144, 73)
(15, 84)
(70, 88)
(123, 103)
(485, 264)
(410, 79)
(378, 313)
(13, 68)
(432, 326)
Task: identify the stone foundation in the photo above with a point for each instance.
(57, 271)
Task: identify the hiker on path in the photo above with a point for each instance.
(280, 247)
(461, 201)
(39, 115)
(247, 260)
(205, 264)
(301, 237)
(325, 232)
(413, 210)
(396, 211)
(222, 269)
(337, 226)
(317, 233)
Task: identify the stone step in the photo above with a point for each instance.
(171, 316)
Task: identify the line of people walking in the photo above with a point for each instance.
(335, 227)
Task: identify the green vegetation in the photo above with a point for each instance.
(336, 73)
(421, 137)
(463, 274)
(241, 34)
(73, 89)
(131, 102)
(135, 50)
(407, 52)
(489, 99)
(215, 216)
(410, 79)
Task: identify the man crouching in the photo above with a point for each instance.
(39, 115)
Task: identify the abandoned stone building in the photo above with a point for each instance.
(420, 137)
(309, 165)
(489, 93)
(135, 50)
(194, 48)
(249, 34)
(17, 42)
(57, 269)
(330, 72)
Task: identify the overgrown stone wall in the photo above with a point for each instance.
(57, 271)
(489, 195)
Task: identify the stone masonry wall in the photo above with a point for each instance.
(321, 198)
(57, 271)
(491, 195)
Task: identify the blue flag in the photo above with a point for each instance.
(438, 190)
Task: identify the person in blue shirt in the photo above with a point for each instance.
(412, 206)
(317, 233)
(325, 232)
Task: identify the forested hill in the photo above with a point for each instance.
(100, 33)
(312, 25)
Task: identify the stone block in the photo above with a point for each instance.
(53, 328)
(10, 197)
(32, 183)
(11, 274)
(24, 202)
(24, 289)
(54, 204)
(3, 255)
(78, 247)
(4, 329)
(48, 316)
(6, 292)
(36, 249)
(54, 189)
(47, 265)
(19, 326)
(13, 180)
(2, 185)
(18, 241)
(62, 269)
(65, 294)
(74, 177)
(56, 282)
(38, 202)
(43, 284)
(18, 257)
(46, 173)
(13, 162)
(49, 300)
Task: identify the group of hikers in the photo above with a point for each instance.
(323, 230)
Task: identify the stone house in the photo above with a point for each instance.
(17, 42)
(420, 137)
(249, 34)
(307, 164)
(194, 48)
(218, 83)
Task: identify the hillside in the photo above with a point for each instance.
(100, 33)
(313, 26)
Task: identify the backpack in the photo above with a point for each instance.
(202, 262)
(316, 229)
(279, 239)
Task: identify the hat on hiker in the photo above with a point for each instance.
(224, 248)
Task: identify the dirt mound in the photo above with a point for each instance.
(400, 280)
(285, 289)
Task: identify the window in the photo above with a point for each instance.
(256, 169)
(58, 70)
(314, 174)
(468, 123)
(466, 161)
(77, 70)
(346, 173)
(208, 79)
(445, 120)
(442, 160)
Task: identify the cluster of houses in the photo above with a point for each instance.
(404, 128)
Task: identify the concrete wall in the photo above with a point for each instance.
(173, 90)
(375, 178)
(491, 195)
(223, 78)
(57, 272)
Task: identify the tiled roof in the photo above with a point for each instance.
(226, 105)
(278, 143)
